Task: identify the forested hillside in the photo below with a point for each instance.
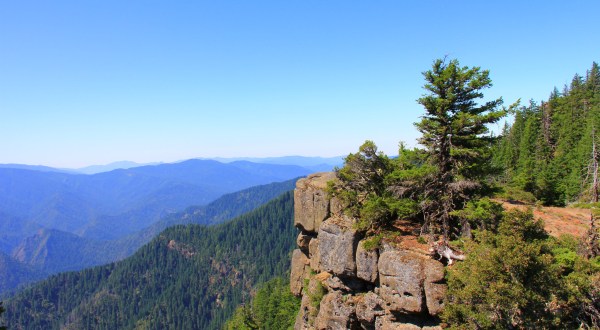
(189, 277)
(52, 251)
(547, 151)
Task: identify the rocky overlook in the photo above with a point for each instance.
(343, 285)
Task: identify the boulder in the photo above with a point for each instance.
(311, 203)
(411, 282)
(299, 263)
(337, 246)
(366, 263)
(334, 313)
(401, 278)
(368, 307)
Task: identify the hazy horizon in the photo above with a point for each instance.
(159, 162)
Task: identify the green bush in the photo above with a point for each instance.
(514, 194)
(519, 278)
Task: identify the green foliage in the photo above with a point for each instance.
(362, 175)
(242, 319)
(484, 214)
(376, 212)
(505, 280)
(583, 205)
(273, 307)
(373, 242)
(361, 186)
(428, 185)
(456, 139)
(514, 194)
(519, 278)
(548, 149)
(189, 277)
(316, 295)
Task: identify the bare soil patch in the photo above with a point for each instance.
(558, 220)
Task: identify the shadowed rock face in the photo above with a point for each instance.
(387, 288)
(303, 241)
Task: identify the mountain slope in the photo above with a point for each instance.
(114, 204)
(53, 251)
(14, 274)
(189, 277)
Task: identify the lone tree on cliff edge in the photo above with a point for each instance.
(456, 139)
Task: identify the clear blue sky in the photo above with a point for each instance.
(91, 82)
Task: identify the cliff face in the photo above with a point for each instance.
(345, 286)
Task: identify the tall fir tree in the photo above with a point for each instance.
(456, 138)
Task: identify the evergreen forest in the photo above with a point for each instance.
(547, 153)
(188, 277)
(273, 308)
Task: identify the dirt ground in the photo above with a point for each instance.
(559, 220)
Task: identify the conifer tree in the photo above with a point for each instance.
(456, 138)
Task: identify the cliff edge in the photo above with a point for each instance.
(343, 285)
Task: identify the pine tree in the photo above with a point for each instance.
(456, 138)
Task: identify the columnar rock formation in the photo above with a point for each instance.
(343, 285)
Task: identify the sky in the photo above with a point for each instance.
(92, 82)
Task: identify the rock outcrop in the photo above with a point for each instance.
(344, 285)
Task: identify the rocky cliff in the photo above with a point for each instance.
(343, 285)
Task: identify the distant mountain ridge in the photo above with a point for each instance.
(316, 164)
(285, 160)
(38, 168)
(126, 200)
(124, 164)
